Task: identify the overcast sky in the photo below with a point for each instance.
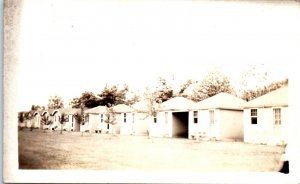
(71, 46)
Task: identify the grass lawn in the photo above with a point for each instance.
(70, 150)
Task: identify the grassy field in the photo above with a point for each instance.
(70, 150)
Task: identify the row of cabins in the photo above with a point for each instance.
(53, 117)
(263, 120)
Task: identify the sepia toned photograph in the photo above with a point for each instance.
(186, 88)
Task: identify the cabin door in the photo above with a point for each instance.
(212, 124)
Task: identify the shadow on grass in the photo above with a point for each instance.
(29, 162)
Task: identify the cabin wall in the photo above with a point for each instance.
(265, 132)
(231, 124)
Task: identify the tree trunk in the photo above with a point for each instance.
(114, 130)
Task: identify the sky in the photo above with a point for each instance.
(71, 46)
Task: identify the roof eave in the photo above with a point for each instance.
(265, 106)
(183, 109)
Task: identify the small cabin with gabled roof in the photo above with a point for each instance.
(124, 119)
(96, 120)
(141, 118)
(172, 119)
(218, 117)
(266, 118)
(71, 123)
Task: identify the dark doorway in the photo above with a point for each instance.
(77, 126)
(180, 124)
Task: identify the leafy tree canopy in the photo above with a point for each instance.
(254, 77)
(254, 93)
(256, 81)
(113, 95)
(152, 102)
(132, 98)
(213, 83)
(55, 102)
(110, 115)
(184, 87)
(164, 91)
(80, 116)
(87, 99)
(37, 108)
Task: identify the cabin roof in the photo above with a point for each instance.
(221, 101)
(275, 98)
(177, 103)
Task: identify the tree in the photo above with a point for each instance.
(25, 116)
(28, 116)
(278, 84)
(63, 118)
(251, 94)
(79, 117)
(132, 98)
(110, 116)
(21, 118)
(37, 108)
(112, 95)
(46, 121)
(254, 77)
(153, 103)
(75, 103)
(88, 99)
(213, 83)
(183, 88)
(255, 82)
(55, 102)
(164, 90)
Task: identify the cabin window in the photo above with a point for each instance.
(195, 116)
(133, 117)
(72, 118)
(253, 116)
(66, 117)
(277, 116)
(101, 118)
(124, 117)
(155, 119)
(211, 117)
(86, 118)
(166, 117)
(107, 125)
